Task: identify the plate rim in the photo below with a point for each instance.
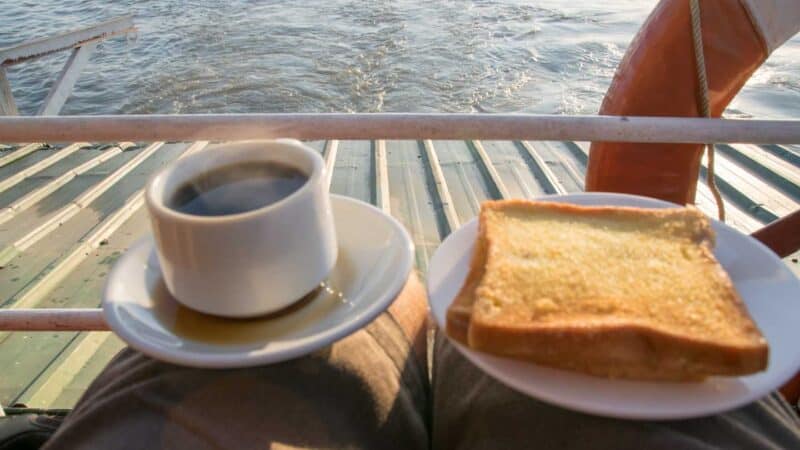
(478, 358)
(250, 358)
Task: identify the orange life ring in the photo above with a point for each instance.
(657, 77)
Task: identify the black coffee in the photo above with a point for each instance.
(237, 188)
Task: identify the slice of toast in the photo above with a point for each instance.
(609, 291)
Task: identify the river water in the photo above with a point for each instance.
(550, 56)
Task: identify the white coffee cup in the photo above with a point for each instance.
(250, 263)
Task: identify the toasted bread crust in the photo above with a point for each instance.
(460, 311)
(619, 347)
(627, 350)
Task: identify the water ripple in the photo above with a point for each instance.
(554, 56)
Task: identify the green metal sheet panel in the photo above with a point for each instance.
(46, 175)
(25, 162)
(513, 169)
(411, 196)
(354, 171)
(466, 182)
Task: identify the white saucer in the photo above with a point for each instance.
(768, 287)
(375, 259)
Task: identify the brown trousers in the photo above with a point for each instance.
(367, 392)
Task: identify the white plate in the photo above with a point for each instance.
(770, 290)
(375, 259)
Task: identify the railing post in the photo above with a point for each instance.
(62, 87)
(7, 105)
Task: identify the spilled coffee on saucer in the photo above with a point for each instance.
(237, 188)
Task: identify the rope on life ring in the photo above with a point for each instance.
(700, 65)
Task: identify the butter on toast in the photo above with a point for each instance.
(609, 291)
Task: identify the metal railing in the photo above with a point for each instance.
(396, 126)
(82, 42)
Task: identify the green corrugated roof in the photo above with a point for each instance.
(47, 369)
